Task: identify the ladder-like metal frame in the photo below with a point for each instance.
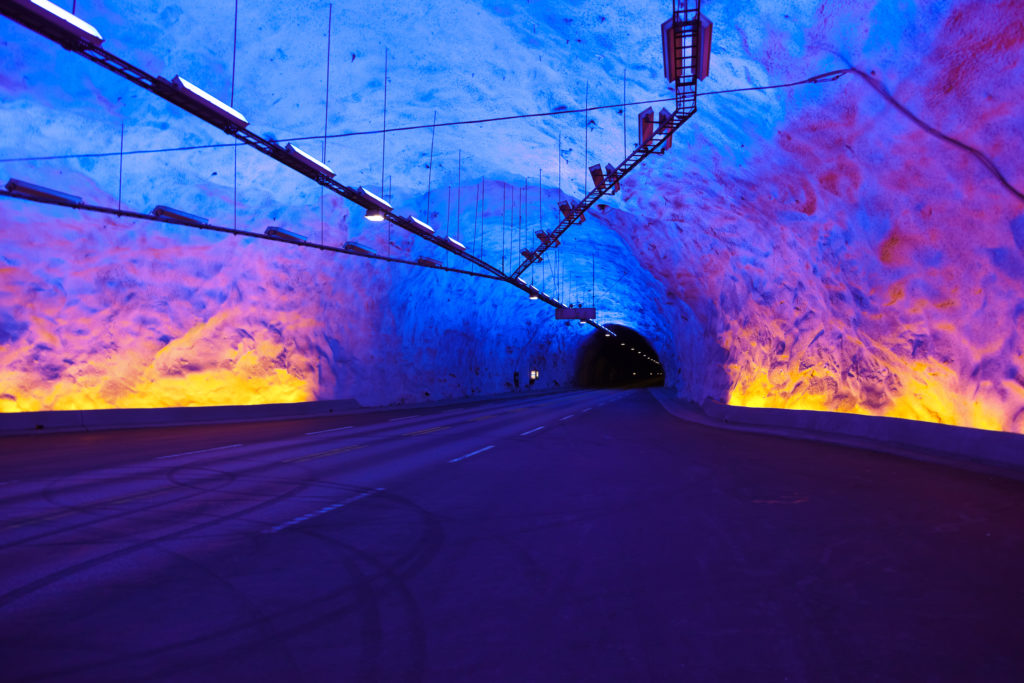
(686, 20)
(686, 13)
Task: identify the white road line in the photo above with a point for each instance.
(324, 431)
(470, 455)
(586, 410)
(322, 511)
(205, 450)
(407, 417)
(537, 429)
(567, 417)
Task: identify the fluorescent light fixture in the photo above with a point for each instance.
(61, 19)
(178, 216)
(534, 296)
(376, 208)
(427, 261)
(356, 248)
(308, 161)
(30, 191)
(208, 102)
(455, 243)
(374, 200)
(423, 227)
(285, 235)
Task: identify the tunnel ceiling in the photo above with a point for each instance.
(852, 245)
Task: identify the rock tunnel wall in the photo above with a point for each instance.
(836, 254)
(811, 247)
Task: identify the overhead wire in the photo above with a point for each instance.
(820, 78)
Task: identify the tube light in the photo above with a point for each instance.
(423, 227)
(208, 102)
(455, 243)
(178, 216)
(61, 20)
(285, 235)
(28, 190)
(356, 248)
(427, 261)
(374, 200)
(308, 161)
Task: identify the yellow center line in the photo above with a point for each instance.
(324, 454)
(426, 431)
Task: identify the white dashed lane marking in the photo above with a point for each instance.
(470, 455)
(567, 417)
(324, 431)
(536, 429)
(205, 450)
(322, 511)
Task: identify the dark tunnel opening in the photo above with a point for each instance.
(627, 359)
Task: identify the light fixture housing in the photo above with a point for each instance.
(310, 163)
(427, 261)
(455, 243)
(376, 208)
(356, 248)
(421, 226)
(58, 22)
(30, 191)
(217, 112)
(284, 235)
(177, 216)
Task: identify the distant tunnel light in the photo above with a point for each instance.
(423, 227)
(646, 122)
(609, 172)
(308, 161)
(178, 216)
(546, 238)
(356, 248)
(23, 189)
(208, 102)
(285, 235)
(598, 175)
(61, 19)
(567, 207)
(704, 45)
(670, 44)
(664, 119)
(534, 375)
(427, 261)
(455, 243)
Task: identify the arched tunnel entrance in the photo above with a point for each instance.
(623, 360)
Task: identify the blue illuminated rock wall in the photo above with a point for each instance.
(805, 247)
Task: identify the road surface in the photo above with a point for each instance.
(581, 536)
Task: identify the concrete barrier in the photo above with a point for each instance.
(999, 453)
(127, 418)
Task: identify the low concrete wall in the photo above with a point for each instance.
(126, 418)
(977, 449)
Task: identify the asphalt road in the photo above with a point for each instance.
(584, 536)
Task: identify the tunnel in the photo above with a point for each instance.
(625, 359)
(329, 330)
